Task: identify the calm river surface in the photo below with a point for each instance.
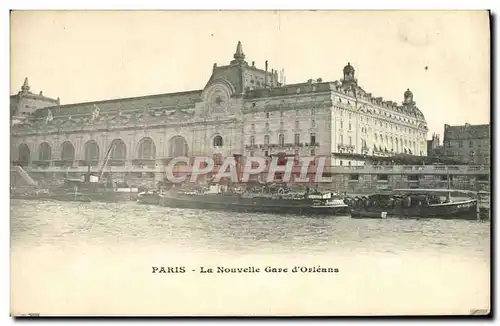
(88, 258)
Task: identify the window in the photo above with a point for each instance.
(341, 125)
(252, 154)
(382, 177)
(297, 124)
(312, 112)
(341, 139)
(341, 162)
(267, 115)
(217, 141)
(313, 123)
(376, 137)
(297, 139)
(349, 126)
(252, 140)
(266, 153)
(281, 113)
(350, 141)
(282, 125)
(253, 126)
(350, 116)
(471, 143)
(313, 152)
(313, 139)
(349, 163)
(267, 126)
(281, 139)
(266, 140)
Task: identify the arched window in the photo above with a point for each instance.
(178, 147)
(297, 139)
(119, 150)
(147, 149)
(281, 140)
(24, 155)
(91, 151)
(67, 152)
(44, 152)
(252, 140)
(266, 140)
(218, 141)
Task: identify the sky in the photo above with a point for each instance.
(443, 57)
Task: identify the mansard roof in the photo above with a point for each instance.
(158, 101)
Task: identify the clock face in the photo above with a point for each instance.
(218, 99)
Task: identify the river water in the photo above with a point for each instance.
(97, 258)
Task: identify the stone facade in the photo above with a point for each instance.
(242, 110)
(468, 143)
(25, 103)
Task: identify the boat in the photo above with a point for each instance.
(218, 197)
(417, 203)
(90, 187)
(150, 197)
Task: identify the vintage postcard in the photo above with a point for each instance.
(250, 163)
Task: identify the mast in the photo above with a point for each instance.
(106, 159)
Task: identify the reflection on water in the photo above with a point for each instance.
(63, 254)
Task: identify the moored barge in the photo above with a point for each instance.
(417, 203)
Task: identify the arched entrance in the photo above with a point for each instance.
(67, 152)
(24, 155)
(177, 146)
(91, 153)
(118, 152)
(146, 149)
(44, 152)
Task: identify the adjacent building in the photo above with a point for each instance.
(434, 146)
(468, 143)
(25, 103)
(242, 110)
